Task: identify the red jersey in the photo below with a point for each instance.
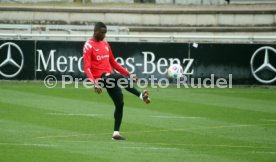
(98, 59)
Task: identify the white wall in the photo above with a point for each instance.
(252, 1)
(164, 1)
(132, 1)
(34, 1)
(113, 1)
(191, 1)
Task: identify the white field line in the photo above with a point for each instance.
(273, 120)
(176, 117)
(204, 128)
(29, 144)
(210, 145)
(164, 130)
(150, 148)
(64, 114)
(264, 152)
(178, 144)
(72, 135)
(167, 117)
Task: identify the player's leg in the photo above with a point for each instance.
(118, 100)
(130, 88)
(126, 83)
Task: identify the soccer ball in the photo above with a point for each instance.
(175, 71)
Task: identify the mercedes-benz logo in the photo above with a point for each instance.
(265, 52)
(10, 61)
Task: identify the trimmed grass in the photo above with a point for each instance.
(41, 124)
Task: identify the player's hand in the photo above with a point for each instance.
(97, 88)
(133, 77)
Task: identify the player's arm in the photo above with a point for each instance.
(87, 61)
(87, 49)
(115, 65)
(119, 68)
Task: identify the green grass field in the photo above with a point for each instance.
(41, 124)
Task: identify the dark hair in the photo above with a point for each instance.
(99, 25)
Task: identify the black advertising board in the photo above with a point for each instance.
(17, 60)
(146, 59)
(224, 59)
(59, 58)
(246, 63)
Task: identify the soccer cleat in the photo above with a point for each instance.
(118, 138)
(145, 96)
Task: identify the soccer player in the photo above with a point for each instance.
(99, 63)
